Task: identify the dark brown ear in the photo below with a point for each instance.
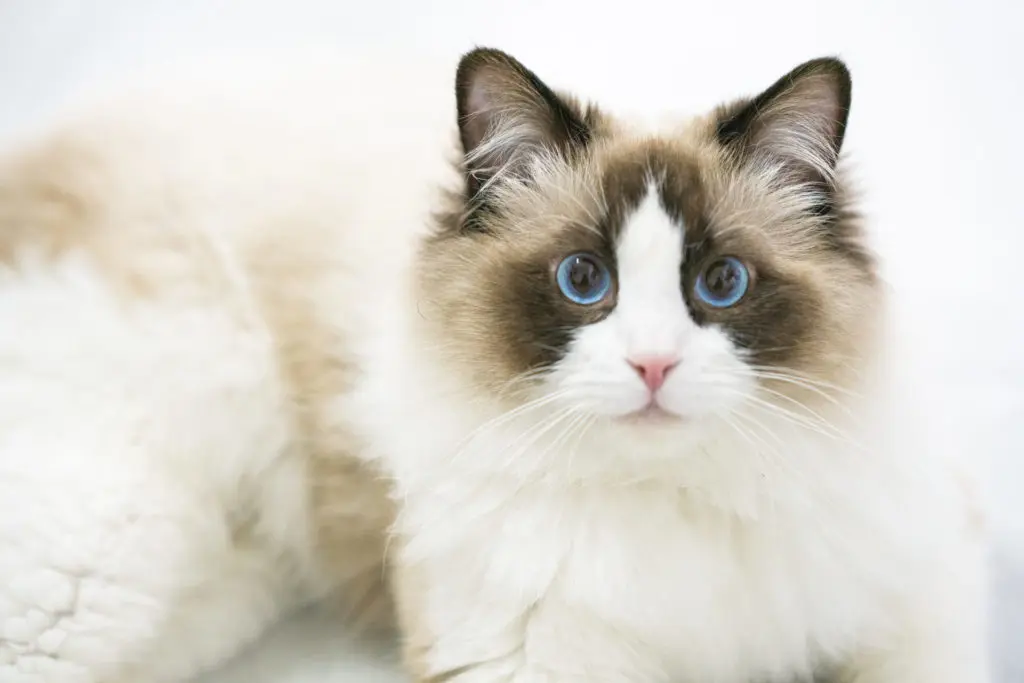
(508, 116)
(797, 123)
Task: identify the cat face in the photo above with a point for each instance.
(651, 278)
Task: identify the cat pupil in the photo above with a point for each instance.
(722, 278)
(583, 275)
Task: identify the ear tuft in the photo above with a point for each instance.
(508, 116)
(799, 122)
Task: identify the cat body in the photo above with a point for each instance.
(162, 423)
(312, 350)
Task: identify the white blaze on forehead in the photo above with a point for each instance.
(649, 255)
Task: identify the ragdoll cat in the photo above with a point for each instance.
(604, 403)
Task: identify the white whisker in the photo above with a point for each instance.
(535, 433)
(505, 418)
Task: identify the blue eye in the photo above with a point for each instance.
(584, 279)
(723, 282)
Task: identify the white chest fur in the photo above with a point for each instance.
(647, 580)
(649, 584)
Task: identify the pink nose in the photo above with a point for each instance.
(653, 369)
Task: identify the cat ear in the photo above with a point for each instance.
(508, 116)
(798, 123)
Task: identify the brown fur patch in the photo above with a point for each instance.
(350, 499)
(496, 299)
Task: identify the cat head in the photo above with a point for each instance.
(645, 278)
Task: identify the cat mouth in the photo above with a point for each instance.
(651, 414)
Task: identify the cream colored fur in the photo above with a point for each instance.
(177, 298)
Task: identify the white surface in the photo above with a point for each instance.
(933, 133)
(312, 649)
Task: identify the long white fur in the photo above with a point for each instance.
(130, 444)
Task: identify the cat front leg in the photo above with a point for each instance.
(463, 627)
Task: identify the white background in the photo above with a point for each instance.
(935, 133)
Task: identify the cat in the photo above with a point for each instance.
(569, 398)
